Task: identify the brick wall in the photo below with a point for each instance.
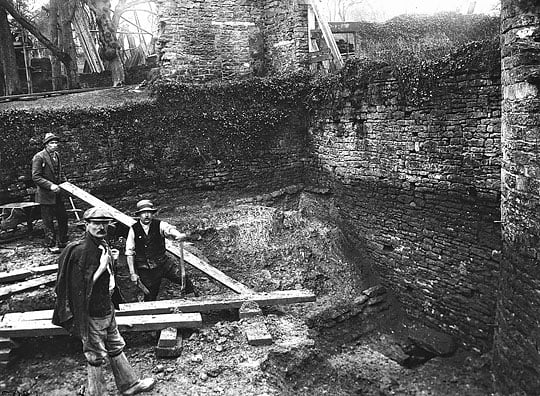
(417, 188)
(230, 39)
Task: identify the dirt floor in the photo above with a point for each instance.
(268, 241)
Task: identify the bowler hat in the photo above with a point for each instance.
(145, 206)
(97, 214)
(49, 137)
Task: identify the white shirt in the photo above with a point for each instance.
(165, 229)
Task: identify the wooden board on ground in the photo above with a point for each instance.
(7, 291)
(199, 304)
(23, 273)
(38, 328)
(189, 257)
(205, 267)
(257, 332)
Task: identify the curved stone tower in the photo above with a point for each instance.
(517, 340)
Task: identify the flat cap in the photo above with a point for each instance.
(97, 214)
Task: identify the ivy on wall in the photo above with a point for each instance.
(184, 126)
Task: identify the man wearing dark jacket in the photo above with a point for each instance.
(47, 173)
(146, 254)
(86, 298)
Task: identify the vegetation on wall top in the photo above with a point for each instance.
(418, 79)
(423, 36)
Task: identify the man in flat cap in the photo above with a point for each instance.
(86, 298)
(47, 173)
(147, 258)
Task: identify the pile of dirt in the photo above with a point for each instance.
(268, 242)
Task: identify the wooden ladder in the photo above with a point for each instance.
(326, 54)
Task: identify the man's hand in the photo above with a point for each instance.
(134, 278)
(180, 236)
(55, 188)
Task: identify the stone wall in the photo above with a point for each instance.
(285, 30)
(230, 39)
(134, 148)
(417, 188)
(516, 352)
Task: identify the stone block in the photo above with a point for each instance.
(172, 351)
(249, 309)
(167, 337)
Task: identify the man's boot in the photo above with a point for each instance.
(127, 382)
(96, 381)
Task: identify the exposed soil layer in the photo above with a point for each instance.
(268, 241)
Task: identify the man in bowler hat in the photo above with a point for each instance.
(146, 255)
(47, 173)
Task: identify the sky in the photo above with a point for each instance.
(381, 10)
(396, 7)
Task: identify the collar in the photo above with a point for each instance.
(96, 241)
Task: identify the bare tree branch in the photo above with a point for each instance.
(25, 23)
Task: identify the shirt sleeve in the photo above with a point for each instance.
(167, 230)
(130, 243)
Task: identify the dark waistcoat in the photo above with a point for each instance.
(149, 249)
(100, 299)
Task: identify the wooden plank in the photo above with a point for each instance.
(200, 304)
(90, 199)
(7, 291)
(38, 328)
(205, 267)
(23, 273)
(214, 303)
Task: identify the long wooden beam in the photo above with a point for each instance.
(90, 199)
(205, 267)
(199, 304)
(38, 328)
(189, 257)
(23, 273)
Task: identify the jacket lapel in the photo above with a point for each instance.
(48, 160)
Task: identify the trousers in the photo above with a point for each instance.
(169, 269)
(103, 340)
(48, 214)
